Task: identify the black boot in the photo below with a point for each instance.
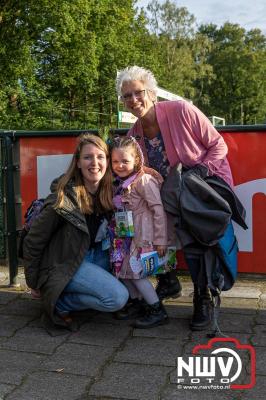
(202, 313)
(168, 285)
(133, 309)
(155, 315)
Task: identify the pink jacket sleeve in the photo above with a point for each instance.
(148, 189)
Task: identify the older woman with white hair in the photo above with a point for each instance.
(172, 132)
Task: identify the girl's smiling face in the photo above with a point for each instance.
(123, 161)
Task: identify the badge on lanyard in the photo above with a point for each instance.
(124, 223)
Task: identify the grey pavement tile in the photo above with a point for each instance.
(259, 337)
(149, 351)
(200, 338)
(239, 303)
(243, 291)
(232, 323)
(50, 386)
(5, 389)
(178, 311)
(101, 335)
(17, 365)
(9, 324)
(260, 361)
(130, 381)
(176, 329)
(22, 307)
(258, 392)
(50, 329)
(7, 297)
(240, 311)
(35, 340)
(261, 317)
(171, 392)
(109, 318)
(184, 300)
(78, 359)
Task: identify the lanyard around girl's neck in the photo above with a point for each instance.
(123, 184)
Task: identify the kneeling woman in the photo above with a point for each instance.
(64, 252)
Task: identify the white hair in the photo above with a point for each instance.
(136, 73)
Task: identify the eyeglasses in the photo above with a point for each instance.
(138, 94)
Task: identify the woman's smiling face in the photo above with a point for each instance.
(93, 164)
(136, 98)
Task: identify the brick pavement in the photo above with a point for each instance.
(107, 359)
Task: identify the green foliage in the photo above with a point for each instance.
(238, 59)
(59, 60)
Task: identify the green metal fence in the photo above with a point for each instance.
(2, 219)
(9, 229)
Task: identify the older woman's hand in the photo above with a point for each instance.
(161, 250)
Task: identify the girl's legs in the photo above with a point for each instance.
(132, 290)
(93, 287)
(155, 312)
(138, 289)
(146, 289)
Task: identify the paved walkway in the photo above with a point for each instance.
(107, 359)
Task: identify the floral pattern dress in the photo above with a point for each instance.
(157, 154)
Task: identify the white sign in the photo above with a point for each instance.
(164, 94)
(48, 168)
(126, 117)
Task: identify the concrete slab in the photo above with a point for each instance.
(50, 386)
(260, 317)
(176, 329)
(33, 340)
(257, 392)
(149, 351)
(260, 361)
(22, 307)
(17, 365)
(201, 338)
(5, 389)
(107, 359)
(101, 335)
(246, 292)
(259, 337)
(130, 381)
(10, 324)
(78, 359)
(235, 302)
(232, 323)
(7, 297)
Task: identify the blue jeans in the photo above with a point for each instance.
(93, 286)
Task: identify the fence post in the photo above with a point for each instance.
(10, 212)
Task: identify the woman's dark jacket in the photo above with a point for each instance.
(54, 249)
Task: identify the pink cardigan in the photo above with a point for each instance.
(189, 138)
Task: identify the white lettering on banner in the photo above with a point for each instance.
(245, 192)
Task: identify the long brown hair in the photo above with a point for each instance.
(73, 173)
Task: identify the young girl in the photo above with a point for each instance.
(137, 195)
